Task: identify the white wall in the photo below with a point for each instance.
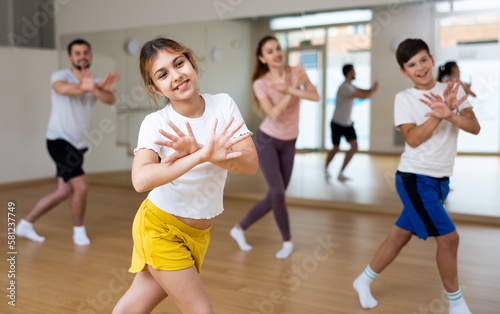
(25, 109)
(96, 15)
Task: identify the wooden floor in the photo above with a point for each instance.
(333, 244)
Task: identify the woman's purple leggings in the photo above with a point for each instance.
(276, 161)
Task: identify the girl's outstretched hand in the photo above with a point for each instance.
(439, 108)
(450, 94)
(182, 144)
(218, 146)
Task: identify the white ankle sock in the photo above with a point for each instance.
(457, 303)
(327, 175)
(286, 250)
(362, 287)
(25, 229)
(239, 236)
(80, 235)
(342, 177)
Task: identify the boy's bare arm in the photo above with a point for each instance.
(444, 110)
(466, 121)
(415, 135)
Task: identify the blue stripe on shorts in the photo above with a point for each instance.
(423, 213)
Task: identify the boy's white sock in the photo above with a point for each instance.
(457, 303)
(239, 236)
(80, 235)
(362, 287)
(25, 229)
(286, 250)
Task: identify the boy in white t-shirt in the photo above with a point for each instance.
(429, 116)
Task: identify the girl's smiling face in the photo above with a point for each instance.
(419, 70)
(173, 76)
(272, 55)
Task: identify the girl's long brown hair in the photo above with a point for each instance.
(260, 68)
(149, 54)
(445, 70)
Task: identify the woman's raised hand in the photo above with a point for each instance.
(300, 76)
(278, 82)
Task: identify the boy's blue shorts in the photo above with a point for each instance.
(423, 196)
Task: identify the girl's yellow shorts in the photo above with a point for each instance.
(164, 242)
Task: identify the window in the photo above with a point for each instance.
(466, 6)
(320, 19)
(306, 38)
(472, 42)
(323, 50)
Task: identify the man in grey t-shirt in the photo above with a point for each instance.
(75, 92)
(341, 123)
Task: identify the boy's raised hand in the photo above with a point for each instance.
(439, 108)
(450, 94)
(182, 144)
(218, 146)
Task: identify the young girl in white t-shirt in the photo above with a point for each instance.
(183, 153)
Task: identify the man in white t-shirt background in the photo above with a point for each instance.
(74, 94)
(341, 123)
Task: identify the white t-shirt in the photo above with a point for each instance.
(343, 106)
(198, 193)
(436, 156)
(70, 115)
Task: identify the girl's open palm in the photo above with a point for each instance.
(182, 144)
(450, 94)
(218, 146)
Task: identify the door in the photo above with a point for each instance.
(312, 113)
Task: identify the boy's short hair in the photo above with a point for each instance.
(347, 68)
(409, 48)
